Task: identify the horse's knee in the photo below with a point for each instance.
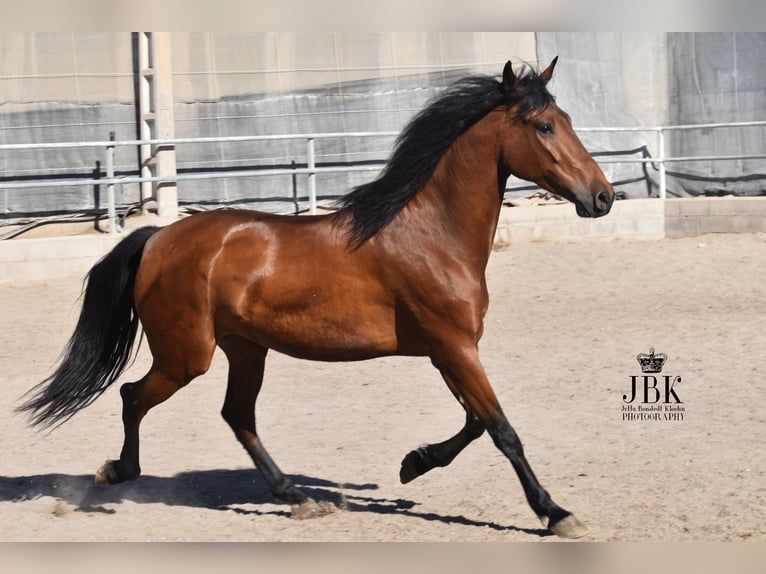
(506, 439)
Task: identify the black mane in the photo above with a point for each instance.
(424, 141)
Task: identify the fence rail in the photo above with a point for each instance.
(311, 169)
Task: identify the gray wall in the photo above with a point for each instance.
(278, 83)
(652, 79)
(717, 77)
(69, 87)
(62, 87)
(81, 86)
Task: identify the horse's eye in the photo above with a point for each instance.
(545, 128)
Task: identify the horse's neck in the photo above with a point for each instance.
(464, 192)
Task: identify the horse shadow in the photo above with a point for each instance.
(242, 491)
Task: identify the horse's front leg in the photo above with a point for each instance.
(429, 456)
(460, 366)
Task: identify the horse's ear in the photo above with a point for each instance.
(547, 73)
(509, 78)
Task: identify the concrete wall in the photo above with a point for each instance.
(49, 257)
(643, 218)
(685, 218)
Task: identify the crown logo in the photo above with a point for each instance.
(651, 363)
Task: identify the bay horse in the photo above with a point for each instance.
(398, 269)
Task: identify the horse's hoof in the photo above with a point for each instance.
(409, 472)
(113, 472)
(310, 508)
(414, 465)
(107, 474)
(569, 527)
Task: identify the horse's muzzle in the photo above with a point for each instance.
(596, 205)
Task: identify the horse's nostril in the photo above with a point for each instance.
(603, 201)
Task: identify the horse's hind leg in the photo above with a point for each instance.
(430, 456)
(137, 399)
(246, 366)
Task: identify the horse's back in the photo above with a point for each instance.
(193, 243)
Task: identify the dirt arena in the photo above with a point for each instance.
(565, 323)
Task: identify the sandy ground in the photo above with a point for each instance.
(565, 323)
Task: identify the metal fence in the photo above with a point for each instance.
(661, 160)
(312, 169)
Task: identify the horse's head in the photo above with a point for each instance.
(541, 146)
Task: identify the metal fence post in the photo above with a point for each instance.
(111, 211)
(312, 177)
(661, 153)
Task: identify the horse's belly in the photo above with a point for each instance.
(317, 327)
(328, 336)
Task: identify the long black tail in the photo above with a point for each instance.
(102, 343)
